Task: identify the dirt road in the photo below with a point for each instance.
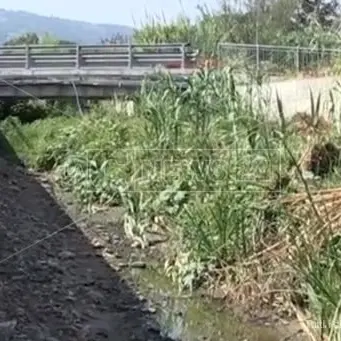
(295, 93)
(54, 283)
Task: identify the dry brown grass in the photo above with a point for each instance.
(268, 279)
(306, 125)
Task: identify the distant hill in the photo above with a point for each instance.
(15, 23)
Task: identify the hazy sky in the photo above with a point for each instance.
(108, 11)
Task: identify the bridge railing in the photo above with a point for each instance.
(96, 56)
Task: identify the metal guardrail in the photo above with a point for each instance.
(117, 56)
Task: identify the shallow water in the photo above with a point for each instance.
(194, 318)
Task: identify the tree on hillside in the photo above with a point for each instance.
(34, 39)
(116, 39)
(66, 42)
(48, 39)
(270, 22)
(279, 21)
(24, 39)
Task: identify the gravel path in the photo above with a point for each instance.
(54, 283)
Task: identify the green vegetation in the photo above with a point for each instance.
(205, 169)
(280, 22)
(34, 39)
(201, 168)
(310, 24)
(33, 109)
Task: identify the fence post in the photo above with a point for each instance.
(297, 59)
(130, 55)
(78, 57)
(183, 57)
(257, 59)
(27, 57)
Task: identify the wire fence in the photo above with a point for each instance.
(278, 60)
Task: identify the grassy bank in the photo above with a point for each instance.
(205, 170)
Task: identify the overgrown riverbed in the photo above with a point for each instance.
(202, 174)
(181, 316)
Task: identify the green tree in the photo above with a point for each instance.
(322, 12)
(28, 110)
(116, 39)
(34, 39)
(24, 39)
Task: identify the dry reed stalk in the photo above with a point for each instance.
(308, 126)
(312, 230)
(307, 324)
(324, 195)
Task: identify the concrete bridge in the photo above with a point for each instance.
(88, 71)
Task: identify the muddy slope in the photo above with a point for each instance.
(53, 284)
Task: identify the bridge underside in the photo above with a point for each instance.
(90, 87)
(46, 91)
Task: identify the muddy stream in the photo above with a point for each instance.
(179, 316)
(194, 318)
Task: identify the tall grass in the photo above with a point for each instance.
(198, 167)
(204, 33)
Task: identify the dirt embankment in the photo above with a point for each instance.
(54, 283)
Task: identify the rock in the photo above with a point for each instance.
(54, 264)
(152, 310)
(8, 324)
(136, 245)
(133, 265)
(97, 244)
(149, 309)
(141, 298)
(114, 239)
(109, 251)
(153, 327)
(138, 265)
(122, 265)
(71, 296)
(96, 329)
(96, 296)
(7, 329)
(20, 312)
(66, 255)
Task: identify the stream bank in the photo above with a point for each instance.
(179, 316)
(53, 284)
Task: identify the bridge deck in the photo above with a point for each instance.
(97, 71)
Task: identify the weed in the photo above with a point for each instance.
(201, 166)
